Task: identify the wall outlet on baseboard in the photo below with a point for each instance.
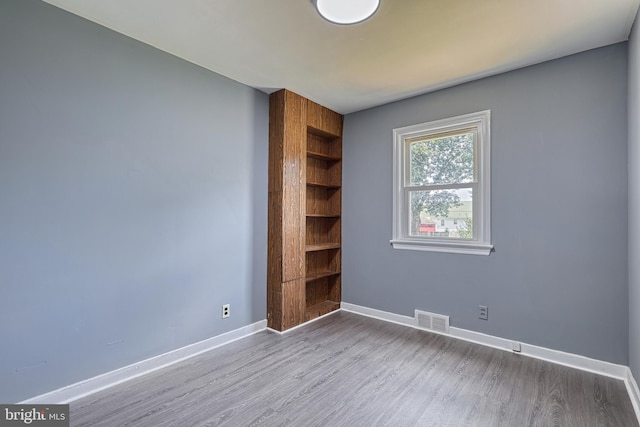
(226, 311)
(516, 347)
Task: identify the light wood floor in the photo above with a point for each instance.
(349, 370)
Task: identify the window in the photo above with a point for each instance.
(441, 191)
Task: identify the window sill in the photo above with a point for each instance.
(449, 247)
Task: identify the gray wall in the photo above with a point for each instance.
(634, 200)
(558, 277)
(132, 200)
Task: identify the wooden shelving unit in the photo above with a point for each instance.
(305, 208)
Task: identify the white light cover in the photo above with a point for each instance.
(346, 11)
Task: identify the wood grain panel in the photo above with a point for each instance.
(324, 119)
(321, 262)
(335, 289)
(324, 146)
(274, 241)
(317, 291)
(274, 312)
(321, 290)
(294, 194)
(322, 230)
(274, 232)
(323, 201)
(323, 173)
(293, 303)
(320, 309)
(276, 139)
(287, 195)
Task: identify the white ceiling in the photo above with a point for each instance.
(409, 47)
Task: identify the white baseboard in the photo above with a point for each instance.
(555, 356)
(92, 385)
(379, 314)
(634, 393)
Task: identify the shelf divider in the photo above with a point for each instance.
(322, 156)
(321, 275)
(314, 215)
(322, 247)
(323, 185)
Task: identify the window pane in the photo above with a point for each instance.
(441, 213)
(442, 160)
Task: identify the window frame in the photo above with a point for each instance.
(480, 244)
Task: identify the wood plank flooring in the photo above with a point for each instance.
(350, 370)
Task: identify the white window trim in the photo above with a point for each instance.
(481, 202)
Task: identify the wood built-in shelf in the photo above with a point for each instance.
(304, 279)
(320, 309)
(323, 185)
(321, 275)
(322, 156)
(322, 247)
(323, 215)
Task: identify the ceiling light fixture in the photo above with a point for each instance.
(346, 11)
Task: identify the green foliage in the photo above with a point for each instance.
(465, 228)
(439, 161)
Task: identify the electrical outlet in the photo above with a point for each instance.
(484, 312)
(226, 311)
